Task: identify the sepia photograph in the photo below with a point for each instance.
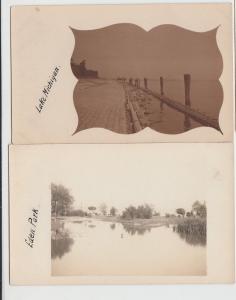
(166, 79)
(139, 239)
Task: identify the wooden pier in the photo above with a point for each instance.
(186, 108)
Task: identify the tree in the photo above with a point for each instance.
(129, 212)
(202, 212)
(141, 212)
(92, 208)
(199, 209)
(103, 209)
(113, 211)
(180, 211)
(61, 200)
(196, 206)
(144, 212)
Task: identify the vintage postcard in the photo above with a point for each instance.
(121, 214)
(122, 73)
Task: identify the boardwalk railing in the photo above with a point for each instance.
(186, 108)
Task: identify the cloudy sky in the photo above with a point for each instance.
(128, 50)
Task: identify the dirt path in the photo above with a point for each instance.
(101, 103)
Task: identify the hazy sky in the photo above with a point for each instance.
(175, 178)
(169, 51)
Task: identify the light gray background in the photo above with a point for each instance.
(163, 292)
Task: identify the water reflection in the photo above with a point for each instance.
(78, 222)
(73, 245)
(133, 229)
(92, 226)
(193, 234)
(61, 242)
(113, 226)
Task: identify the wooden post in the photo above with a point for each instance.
(187, 81)
(145, 83)
(162, 85)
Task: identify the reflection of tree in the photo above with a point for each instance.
(92, 226)
(61, 242)
(133, 229)
(113, 226)
(193, 231)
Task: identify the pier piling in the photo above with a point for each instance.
(162, 86)
(187, 82)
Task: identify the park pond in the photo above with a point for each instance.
(87, 246)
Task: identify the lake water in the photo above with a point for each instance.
(94, 247)
(206, 95)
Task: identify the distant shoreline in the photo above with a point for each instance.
(155, 221)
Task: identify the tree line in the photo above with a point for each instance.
(62, 205)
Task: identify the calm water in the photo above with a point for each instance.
(92, 247)
(206, 95)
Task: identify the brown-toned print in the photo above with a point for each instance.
(166, 79)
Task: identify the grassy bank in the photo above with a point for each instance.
(193, 231)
